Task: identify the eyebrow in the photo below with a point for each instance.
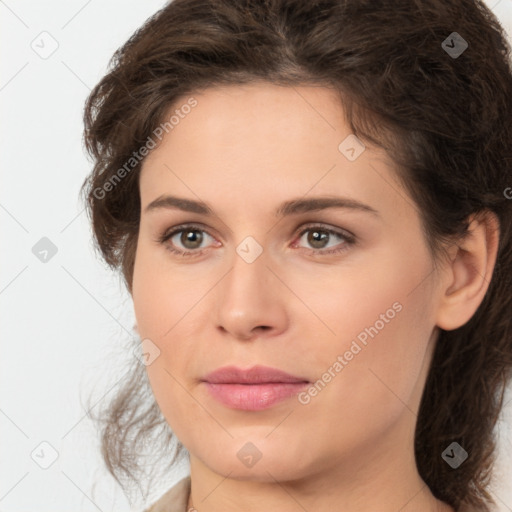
(294, 206)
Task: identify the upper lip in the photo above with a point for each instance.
(255, 375)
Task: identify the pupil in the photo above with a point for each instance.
(314, 240)
(193, 236)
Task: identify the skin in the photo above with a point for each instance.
(244, 150)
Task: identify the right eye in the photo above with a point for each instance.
(190, 236)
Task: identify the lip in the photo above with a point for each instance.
(255, 375)
(254, 389)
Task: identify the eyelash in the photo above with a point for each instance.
(164, 237)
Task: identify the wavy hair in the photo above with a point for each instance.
(444, 118)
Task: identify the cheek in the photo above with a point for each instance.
(374, 389)
(166, 308)
(162, 297)
(372, 366)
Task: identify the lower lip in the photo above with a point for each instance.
(254, 397)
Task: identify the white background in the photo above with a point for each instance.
(62, 320)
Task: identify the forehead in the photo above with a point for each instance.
(264, 141)
(261, 116)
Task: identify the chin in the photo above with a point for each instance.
(247, 464)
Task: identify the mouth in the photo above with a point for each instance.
(255, 389)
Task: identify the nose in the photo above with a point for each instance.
(251, 300)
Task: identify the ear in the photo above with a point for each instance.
(468, 274)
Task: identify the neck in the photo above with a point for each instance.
(383, 477)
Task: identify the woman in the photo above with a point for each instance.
(310, 204)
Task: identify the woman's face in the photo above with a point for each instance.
(342, 298)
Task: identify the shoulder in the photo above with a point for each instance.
(174, 500)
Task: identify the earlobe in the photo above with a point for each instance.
(469, 272)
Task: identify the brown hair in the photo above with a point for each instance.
(445, 119)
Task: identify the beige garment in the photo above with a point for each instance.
(174, 500)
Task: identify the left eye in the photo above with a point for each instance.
(318, 235)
